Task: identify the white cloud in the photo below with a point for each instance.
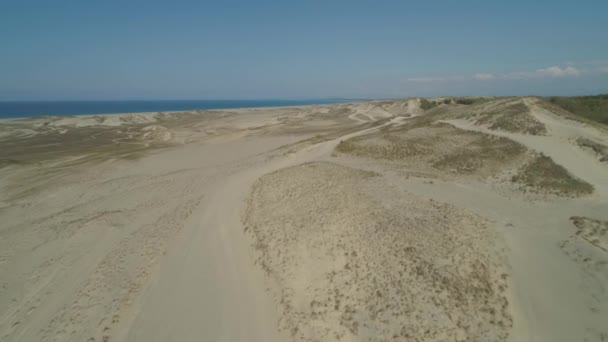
(549, 72)
(556, 71)
(603, 69)
(518, 75)
(484, 77)
(426, 79)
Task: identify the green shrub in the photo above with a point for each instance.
(542, 174)
(426, 104)
(465, 101)
(591, 107)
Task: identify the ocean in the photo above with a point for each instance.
(24, 109)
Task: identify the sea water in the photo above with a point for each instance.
(21, 109)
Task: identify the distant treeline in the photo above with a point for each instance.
(428, 104)
(591, 107)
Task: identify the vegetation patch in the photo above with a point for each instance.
(363, 261)
(599, 149)
(340, 111)
(438, 147)
(514, 118)
(426, 104)
(484, 151)
(10, 162)
(392, 149)
(594, 108)
(543, 175)
(593, 231)
(471, 100)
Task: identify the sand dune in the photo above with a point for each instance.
(352, 259)
(405, 220)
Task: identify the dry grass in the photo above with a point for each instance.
(358, 260)
(472, 100)
(97, 141)
(330, 135)
(484, 150)
(599, 149)
(340, 111)
(393, 149)
(439, 147)
(515, 118)
(593, 231)
(544, 175)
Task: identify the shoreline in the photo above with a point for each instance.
(264, 107)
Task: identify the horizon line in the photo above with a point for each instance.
(303, 99)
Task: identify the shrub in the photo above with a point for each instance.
(591, 107)
(426, 104)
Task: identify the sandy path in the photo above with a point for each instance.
(115, 223)
(545, 280)
(557, 146)
(167, 229)
(208, 288)
(355, 117)
(209, 279)
(145, 250)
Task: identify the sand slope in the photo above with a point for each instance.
(353, 260)
(372, 221)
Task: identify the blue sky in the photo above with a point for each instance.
(58, 50)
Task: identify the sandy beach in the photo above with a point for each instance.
(372, 221)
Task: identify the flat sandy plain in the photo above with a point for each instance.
(375, 221)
